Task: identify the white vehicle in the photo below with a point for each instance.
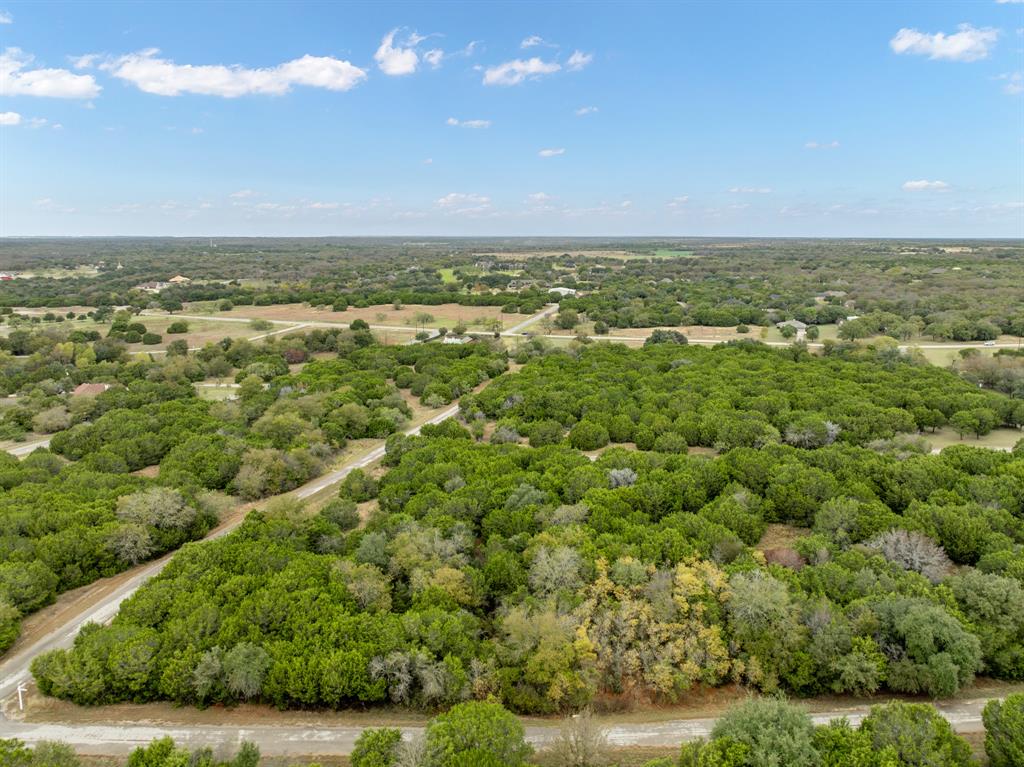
(990, 343)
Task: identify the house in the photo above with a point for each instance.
(179, 280)
(6, 276)
(563, 292)
(851, 318)
(797, 325)
(89, 389)
(152, 287)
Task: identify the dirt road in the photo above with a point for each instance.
(117, 738)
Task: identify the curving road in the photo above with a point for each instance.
(14, 669)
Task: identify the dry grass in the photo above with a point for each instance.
(778, 536)
(444, 315)
(998, 439)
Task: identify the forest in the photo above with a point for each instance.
(513, 572)
(947, 291)
(84, 509)
(600, 528)
(667, 397)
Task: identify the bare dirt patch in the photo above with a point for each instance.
(778, 536)
(693, 332)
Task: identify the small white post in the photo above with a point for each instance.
(21, 690)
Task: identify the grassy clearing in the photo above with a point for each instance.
(412, 316)
(447, 275)
(665, 253)
(999, 439)
(216, 393)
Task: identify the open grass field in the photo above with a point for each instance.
(200, 332)
(216, 392)
(442, 315)
(999, 439)
(664, 253)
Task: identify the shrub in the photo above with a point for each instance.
(376, 748)
(918, 735)
(1004, 731)
(915, 551)
(774, 731)
(478, 733)
(588, 435)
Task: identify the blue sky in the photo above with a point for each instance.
(760, 118)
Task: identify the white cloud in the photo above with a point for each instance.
(243, 194)
(968, 44)
(6, 17)
(165, 78)
(924, 185)
(429, 161)
(822, 145)
(434, 57)
(47, 203)
(16, 80)
(585, 111)
(532, 41)
(539, 198)
(551, 152)
(750, 189)
(454, 199)
(37, 122)
(578, 60)
(463, 203)
(516, 71)
(1008, 2)
(10, 118)
(394, 60)
(456, 123)
(677, 202)
(86, 61)
(1014, 82)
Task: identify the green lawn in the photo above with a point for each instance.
(665, 253)
(447, 275)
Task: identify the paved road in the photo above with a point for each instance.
(517, 330)
(15, 669)
(324, 740)
(22, 450)
(374, 455)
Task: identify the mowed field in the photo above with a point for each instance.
(443, 315)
